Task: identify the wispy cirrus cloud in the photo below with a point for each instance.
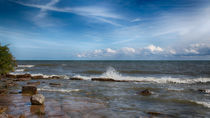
(102, 14)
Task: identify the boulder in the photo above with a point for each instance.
(29, 89)
(22, 116)
(37, 99)
(146, 92)
(12, 92)
(33, 83)
(54, 84)
(154, 113)
(76, 78)
(37, 77)
(102, 79)
(23, 76)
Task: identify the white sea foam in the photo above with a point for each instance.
(112, 73)
(19, 70)
(205, 104)
(25, 66)
(58, 90)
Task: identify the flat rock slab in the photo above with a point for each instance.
(29, 89)
(76, 78)
(102, 79)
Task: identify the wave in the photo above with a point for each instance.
(25, 66)
(112, 73)
(19, 70)
(205, 104)
(58, 90)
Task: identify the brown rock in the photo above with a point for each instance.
(102, 79)
(154, 113)
(4, 115)
(12, 92)
(22, 116)
(29, 89)
(2, 109)
(23, 76)
(145, 92)
(11, 84)
(37, 77)
(76, 78)
(33, 83)
(37, 109)
(55, 77)
(10, 76)
(37, 99)
(3, 91)
(23, 79)
(54, 84)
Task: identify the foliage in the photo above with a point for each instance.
(7, 61)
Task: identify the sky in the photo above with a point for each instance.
(106, 29)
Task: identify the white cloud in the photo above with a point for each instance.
(136, 20)
(154, 48)
(128, 50)
(109, 50)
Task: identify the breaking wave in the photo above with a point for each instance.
(58, 90)
(25, 66)
(112, 73)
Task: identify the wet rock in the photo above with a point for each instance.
(10, 84)
(12, 92)
(76, 78)
(23, 76)
(154, 113)
(146, 92)
(37, 77)
(37, 109)
(23, 79)
(102, 79)
(22, 116)
(33, 83)
(4, 115)
(29, 89)
(54, 77)
(10, 76)
(3, 91)
(204, 91)
(37, 99)
(54, 84)
(2, 109)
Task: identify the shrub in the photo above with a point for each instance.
(7, 61)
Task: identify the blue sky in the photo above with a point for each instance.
(106, 29)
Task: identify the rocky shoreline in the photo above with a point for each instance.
(28, 99)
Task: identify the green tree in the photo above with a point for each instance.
(7, 61)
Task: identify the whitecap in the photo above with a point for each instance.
(25, 66)
(58, 90)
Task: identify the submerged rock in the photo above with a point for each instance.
(23, 79)
(204, 91)
(54, 77)
(54, 84)
(29, 89)
(33, 83)
(76, 78)
(102, 79)
(146, 92)
(37, 99)
(154, 113)
(37, 77)
(37, 109)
